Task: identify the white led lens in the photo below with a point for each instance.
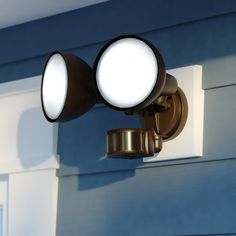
(54, 88)
(127, 72)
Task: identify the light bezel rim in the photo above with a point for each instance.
(41, 88)
(160, 80)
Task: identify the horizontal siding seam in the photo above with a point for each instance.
(148, 166)
(220, 86)
(79, 46)
(217, 234)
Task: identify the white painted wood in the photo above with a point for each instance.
(27, 140)
(3, 203)
(28, 157)
(20, 86)
(32, 203)
(190, 142)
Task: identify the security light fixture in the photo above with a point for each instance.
(128, 75)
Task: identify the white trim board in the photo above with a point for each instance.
(20, 86)
(28, 159)
(189, 143)
(3, 203)
(33, 140)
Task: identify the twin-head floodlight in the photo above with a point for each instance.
(128, 75)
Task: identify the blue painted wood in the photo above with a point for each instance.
(176, 200)
(193, 44)
(219, 72)
(101, 22)
(79, 156)
(219, 121)
(82, 142)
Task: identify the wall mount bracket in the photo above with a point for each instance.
(162, 121)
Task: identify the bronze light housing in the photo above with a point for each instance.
(129, 75)
(67, 87)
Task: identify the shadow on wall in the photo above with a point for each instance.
(82, 146)
(34, 138)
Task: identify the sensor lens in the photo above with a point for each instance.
(126, 72)
(54, 87)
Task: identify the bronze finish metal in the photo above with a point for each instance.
(130, 142)
(81, 93)
(162, 121)
(167, 117)
(171, 121)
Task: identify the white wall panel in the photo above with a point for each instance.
(27, 140)
(28, 157)
(32, 203)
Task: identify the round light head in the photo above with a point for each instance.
(130, 73)
(54, 86)
(66, 90)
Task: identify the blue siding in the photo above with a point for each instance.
(190, 199)
(99, 196)
(101, 22)
(193, 43)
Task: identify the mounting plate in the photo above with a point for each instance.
(189, 143)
